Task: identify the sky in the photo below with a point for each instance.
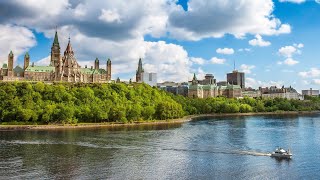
(273, 42)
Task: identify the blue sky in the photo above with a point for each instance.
(273, 42)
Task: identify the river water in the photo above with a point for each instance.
(212, 148)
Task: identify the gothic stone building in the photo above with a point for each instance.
(62, 68)
(210, 89)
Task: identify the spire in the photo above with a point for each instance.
(97, 60)
(109, 61)
(234, 65)
(69, 48)
(27, 55)
(11, 54)
(140, 69)
(194, 77)
(56, 41)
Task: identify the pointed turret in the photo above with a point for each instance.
(11, 54)
(69, 49)
(194, 77)
(55, 41)
(140, 71)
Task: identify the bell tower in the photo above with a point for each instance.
(109, 70)
(10, 64)
(55, 51)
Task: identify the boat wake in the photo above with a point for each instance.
(250, 153)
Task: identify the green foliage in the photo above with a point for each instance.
(40, 103)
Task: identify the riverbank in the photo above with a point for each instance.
(155, 122)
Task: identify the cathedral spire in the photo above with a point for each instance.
(56, 41)
(69, 48)
(140, 69)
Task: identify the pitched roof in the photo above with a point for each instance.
(40, 69)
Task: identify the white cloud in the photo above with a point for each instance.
(15, 38)
(293, 1)
(215, 60)
(258, 41)
(110, 16)
(226, 51)
(225, 17)
(246, 68)
(288, 52)
(316, 81)
(314, 72)
(317, 1)
(199, 61)
(251, 82)
(290, 62)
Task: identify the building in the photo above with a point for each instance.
(145, 77)
(274, 92)
(310, 92)
(174, 88)
(251, 93)
(236, 78)
(197, 90)
(64, 68)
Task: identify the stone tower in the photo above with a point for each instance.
(10, 64)
(96, 64)
(55, 51)
(139, 71)
(26, 61)
(109, 70)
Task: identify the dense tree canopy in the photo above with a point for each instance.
(71, 103)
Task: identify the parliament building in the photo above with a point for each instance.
(64, 68)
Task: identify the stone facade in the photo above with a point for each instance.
(197, 90)
(61, 68)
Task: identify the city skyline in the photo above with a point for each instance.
(273, 42)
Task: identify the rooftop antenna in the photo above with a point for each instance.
(234, 65)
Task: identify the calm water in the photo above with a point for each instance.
(220, 148)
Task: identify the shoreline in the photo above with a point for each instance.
(156, 122)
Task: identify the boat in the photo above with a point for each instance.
(281, 153)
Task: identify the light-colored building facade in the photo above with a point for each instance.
(64, 68)
(310, 92)
(197, 90)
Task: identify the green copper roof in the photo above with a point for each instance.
(40, 69)
(11, 54)
(27, 55)
(18, 69)
(109, 61)
(56, 41)
(4, 66)
(89, 71)
(97, 60)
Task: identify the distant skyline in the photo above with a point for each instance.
(273, 42)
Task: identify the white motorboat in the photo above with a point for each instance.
(281, 153)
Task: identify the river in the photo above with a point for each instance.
(212, 148)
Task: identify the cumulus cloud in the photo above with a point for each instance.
(251, 82)
(226, 51)
(15, 38)
(199, 61)
(215, 60)
(244, 50)
(288, 52)
(206, 18)
(246, 68)
(312, 73)
(258, 41)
